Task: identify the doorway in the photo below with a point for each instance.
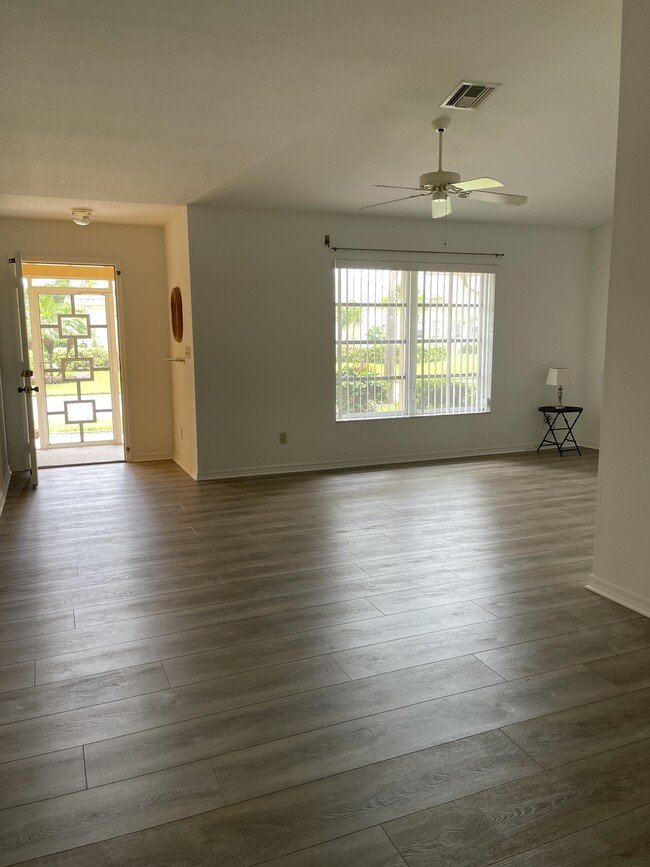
(74, 353)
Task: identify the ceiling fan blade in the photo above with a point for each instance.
(389, 187)
(390, 202)
(478, 184)
(440, 208)
(499, 198)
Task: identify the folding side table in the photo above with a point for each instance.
(554, 416)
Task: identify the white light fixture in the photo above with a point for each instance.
(82, 216)
(559, 376)
(440, 204)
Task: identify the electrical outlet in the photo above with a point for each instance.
(283, 438)
(181, 433)
(188, 352)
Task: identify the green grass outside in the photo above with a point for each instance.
(101, 384)
(56, 424)
(459, 363)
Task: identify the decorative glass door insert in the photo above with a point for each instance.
(74, 343)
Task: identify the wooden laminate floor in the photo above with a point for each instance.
(379, 668)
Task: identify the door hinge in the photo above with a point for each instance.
(12, 261)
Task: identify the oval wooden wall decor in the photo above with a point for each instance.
(177, 314)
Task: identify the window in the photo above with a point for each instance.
(412, 342)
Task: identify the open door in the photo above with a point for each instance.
(74, 351)
(26, 372)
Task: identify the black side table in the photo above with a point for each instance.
(554, 413)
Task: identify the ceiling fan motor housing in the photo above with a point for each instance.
(438, 179)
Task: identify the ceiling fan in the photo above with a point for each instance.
(440, 185)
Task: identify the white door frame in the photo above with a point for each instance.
(39, 364)
(119, 310)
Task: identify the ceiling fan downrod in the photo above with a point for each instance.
(440, 179)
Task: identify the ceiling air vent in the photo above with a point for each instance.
(468, 95)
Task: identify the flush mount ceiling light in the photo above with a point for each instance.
(82, 216)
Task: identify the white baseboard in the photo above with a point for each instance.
(137, 457)
(191, 472)
(316, 466)
(618, 594)
(590, 444)
(5, 488)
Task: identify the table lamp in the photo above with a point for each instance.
(558, 376)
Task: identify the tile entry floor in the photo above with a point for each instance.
(376, 668)
(71, 456)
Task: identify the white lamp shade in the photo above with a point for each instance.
(559, 376)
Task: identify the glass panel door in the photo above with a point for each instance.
(75, 353)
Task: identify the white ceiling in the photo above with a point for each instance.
(304, 104)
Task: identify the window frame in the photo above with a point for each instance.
(409, 340)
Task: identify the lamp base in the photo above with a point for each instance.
(559, 404)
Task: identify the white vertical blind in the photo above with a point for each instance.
(412, 342)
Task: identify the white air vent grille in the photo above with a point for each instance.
(468, 95)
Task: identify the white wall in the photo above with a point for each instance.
(262, 296)
(596, 322)
(178, 274)
(622, 555)
(144, 339)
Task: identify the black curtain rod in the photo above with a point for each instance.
(434, 252)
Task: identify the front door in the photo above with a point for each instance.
(26, 362)
(74, 344)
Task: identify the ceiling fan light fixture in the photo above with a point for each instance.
(82, 216)
(441, 206)
(441, 186)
